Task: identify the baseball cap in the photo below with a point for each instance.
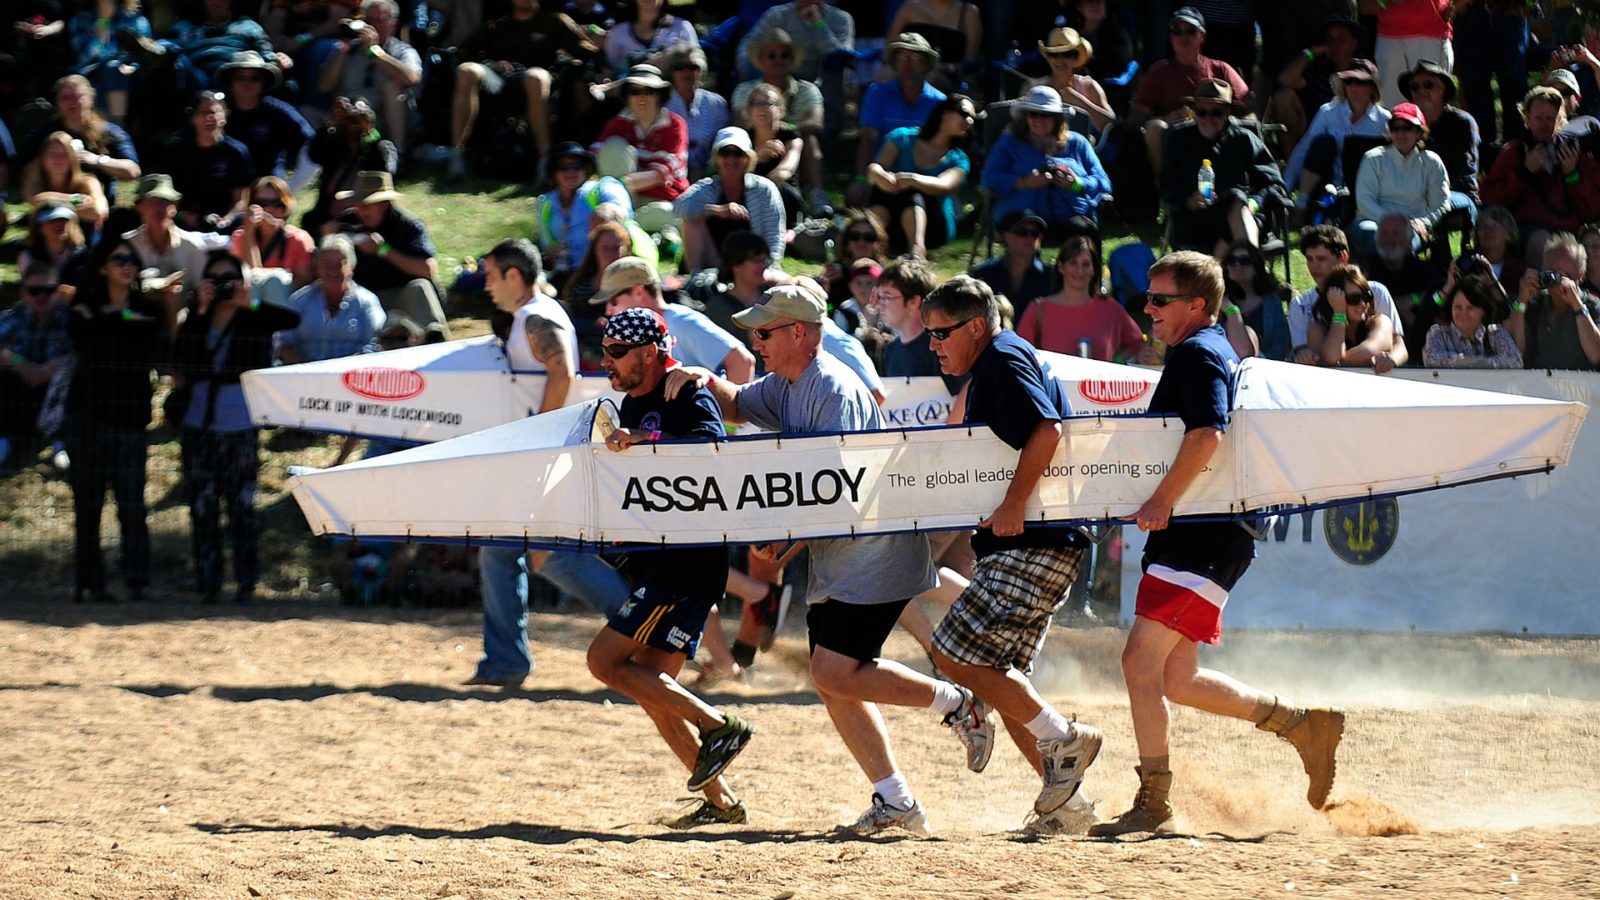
(1408, 112)
(52, 212)
(1563, 78)
(1188, 14)
(733, 136)
(624, 274)
(784, 301)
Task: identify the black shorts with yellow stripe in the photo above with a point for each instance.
(665, 617)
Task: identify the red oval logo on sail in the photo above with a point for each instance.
(383, 383)
(1113, 393)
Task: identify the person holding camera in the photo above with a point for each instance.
(374, 65)
(1040, 164)
(1472, 338)
(1544, 179)
(225, 334)
(1553, 317)
(345, 147)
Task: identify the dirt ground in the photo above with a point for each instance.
(302, 751)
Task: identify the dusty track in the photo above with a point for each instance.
(297, 752)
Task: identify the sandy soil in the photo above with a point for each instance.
(297, 751)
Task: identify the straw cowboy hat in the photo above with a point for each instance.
(370, 187)
(1068, 40)
(1214, 90)
(909, 41)
(250, 60)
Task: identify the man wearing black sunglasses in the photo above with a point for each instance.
(1244, 174)
(1189, 567)
(998, 625)
(646, 642)
(1018, 274)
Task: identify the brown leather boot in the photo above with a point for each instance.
(1151, 812)
(1315, 734)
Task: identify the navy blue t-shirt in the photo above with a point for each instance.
(1198, 385)
(696, 571)
(208, 177)
(403, 232)
(915, 358)
(1010, 393)
(274, 133)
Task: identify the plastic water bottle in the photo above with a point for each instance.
(1207, 181)
(1084, 346)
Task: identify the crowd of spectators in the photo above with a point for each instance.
(168, 151)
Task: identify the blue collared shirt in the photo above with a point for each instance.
(350, 329)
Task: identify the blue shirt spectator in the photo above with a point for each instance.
(1015, 160)
(344, 326)
(884, 108)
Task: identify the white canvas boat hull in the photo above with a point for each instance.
(1301, 437)
(441, 391)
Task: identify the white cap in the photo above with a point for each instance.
(733, 136)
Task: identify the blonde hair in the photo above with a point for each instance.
(1195, 274)
(767, 90)
(36, 179)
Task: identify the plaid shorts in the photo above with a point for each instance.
(1001, 619)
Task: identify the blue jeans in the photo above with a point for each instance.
(503, 582)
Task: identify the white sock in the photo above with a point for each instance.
(946, 698)
(894, 790)
(1049, 725)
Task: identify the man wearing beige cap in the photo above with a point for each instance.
(857, 587)
(632, 283)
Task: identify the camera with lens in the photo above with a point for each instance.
(1473, 264)
(1548, 278)
(349, 29)
(223, 290)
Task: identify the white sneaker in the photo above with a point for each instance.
(1076, 816)
(882, 817)
(1065, 761)
(970, 724)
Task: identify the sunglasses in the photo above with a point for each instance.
(572, 167)
(40, 290)
(1357, 300)
(1424, 85)
(123, 259)
(639, 92)
(269, 203)
(1035, 114)
(1184, 31)
(782, 55)
(686, 67)
(618, 351)
(1210, 112)
(1027, 232)
(861, 236)
(1241, 261)
(224, 279)
(1161, 300)
(1402, 126)
(943, 334)
(767, 333)
(244, 77)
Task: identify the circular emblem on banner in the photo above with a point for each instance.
(932, 412)
(384, 383)
(1361, 533)
(1112, 392)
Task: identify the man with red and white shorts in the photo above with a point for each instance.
(1189, 567)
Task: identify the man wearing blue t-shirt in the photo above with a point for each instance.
(857, 586)
(997, 627)
(1189, 567)
(645, 643)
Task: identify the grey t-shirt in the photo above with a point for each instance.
(828, 398)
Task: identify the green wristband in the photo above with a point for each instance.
(1310, 55)
(1438, 298)
(1339, 319)
(1574, 177)
(383, 249)
(1232, 309)
(1519, 306)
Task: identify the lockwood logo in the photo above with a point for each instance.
(1113, 393)
(384, 383)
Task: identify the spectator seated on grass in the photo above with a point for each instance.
(33, 346)
(57, 177)
(274, 132)
(1553, 318)
(347, 145)
(861, 237)
(337, 316)
(1472, 338)
(1067, 54)
(1326, 250)
(1318, 158)
(1019, 273)
(1042, 166)
(562, 216)
(905, 101)
(1411, 280)
(644, 33)
(376, 66)
(952, 27)
(1258, 300)
(1402, 178)
(778, 145)
(1063, 321)
(734, 199)
(659, 140)
(776, 55)
(508, 62)
(211, 170)
(1306, 81)
(1160, 101)
(265, 239)
(1545, 180)
(706, 112)
(827, 35)
(1244, 172)
(394, 252)
(54, 239)
(918, 173)
(162, 245)
(1452, 134)
(104, 150)
(1345, 330)
(608, 242)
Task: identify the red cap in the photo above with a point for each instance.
(1408, 112)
